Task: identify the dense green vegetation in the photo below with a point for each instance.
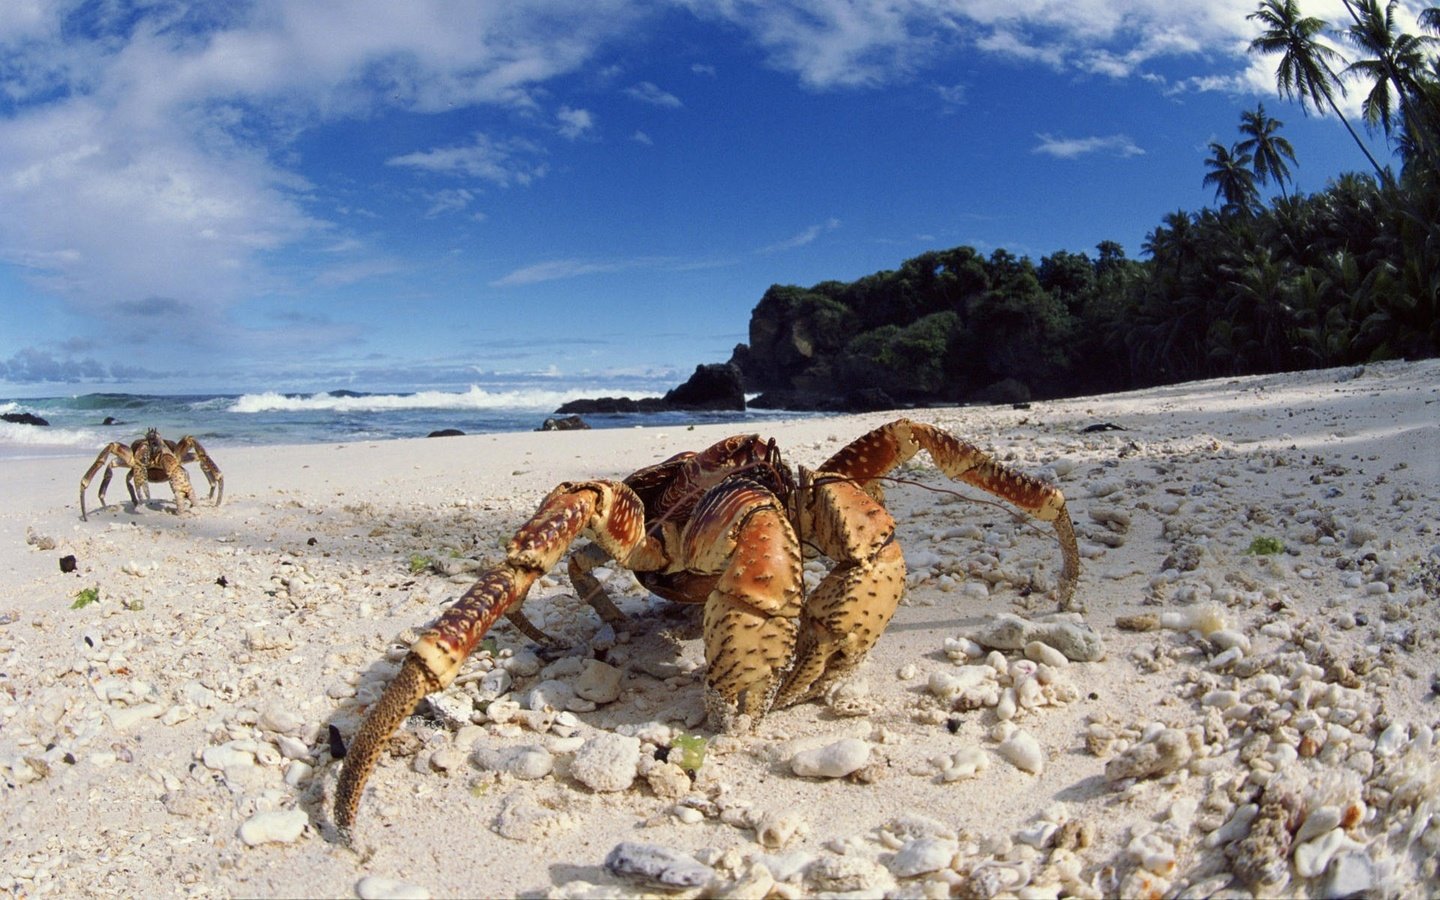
(1346, 275)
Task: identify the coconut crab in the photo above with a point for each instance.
(154, 459)
(727, 527)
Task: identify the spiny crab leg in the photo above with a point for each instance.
(122, 455)
(608, 512)
(873, 455)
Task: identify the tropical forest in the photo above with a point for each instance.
(1344, 276)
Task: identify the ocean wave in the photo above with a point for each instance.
(38, 436)
(476, 398)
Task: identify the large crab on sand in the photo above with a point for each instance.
(154, 459)
(727, 527)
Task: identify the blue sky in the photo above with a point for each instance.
(391, 196)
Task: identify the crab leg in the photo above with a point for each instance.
(848, 611)
(168, 462)
(608, 512)
(873, 455)
(739, 532)
(121, 453)
(212, 472)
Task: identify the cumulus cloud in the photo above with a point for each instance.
(856, 43)
(146, 149)
(1070, 148)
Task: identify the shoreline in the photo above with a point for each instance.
(178, 709)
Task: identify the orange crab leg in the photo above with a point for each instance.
(610, 513)
(188, 447)
(122, 454)
(880, 451)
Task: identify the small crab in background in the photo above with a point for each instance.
(154, 459)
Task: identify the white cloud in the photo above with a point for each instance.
(648, 92)
(504, 163)
(1070, 148)
(560, 269)
(449, 200)
(641, 137)
(574, 123)
(855, 43)
(802, 238)
(149, 152)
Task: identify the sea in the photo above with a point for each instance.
(272, 417)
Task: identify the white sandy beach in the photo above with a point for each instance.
(1271, 733)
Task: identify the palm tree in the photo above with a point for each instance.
(1268, 149)
(1304, 73)
(1397, 57)
(1231, 175)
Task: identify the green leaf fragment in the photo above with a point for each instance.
(687, 751)
(1265, 546)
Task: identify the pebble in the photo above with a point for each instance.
(1166, 752)
(966, 763)
(1392, 739)
(1041, 652)
(1023, 752)
(655, 866)
(922, 856)
(1077, 641)
(832, 760)
(275, 827)
(607, 762)
(1351, 874)
(598, 682)
(1313, 857)
(373, 887)
(523, 762)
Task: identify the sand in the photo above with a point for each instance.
(173, 738)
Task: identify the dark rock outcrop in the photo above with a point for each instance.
(864, 400)
(446, 432)
(23, 418)
(564, 423)
(713, 387)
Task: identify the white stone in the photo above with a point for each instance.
(598, 682)
(124, 717)
(607, 762)
(1313, 857)
(967, 763)
(373, 887)
(832, 760)
(1041, 652)
(275, 827)
(226, 756)
(1392, 739)
(921, 856)
(292, 747)
(528, 763)
(1023, 752)
(280, 721)
(553, 694)
(298, 772)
